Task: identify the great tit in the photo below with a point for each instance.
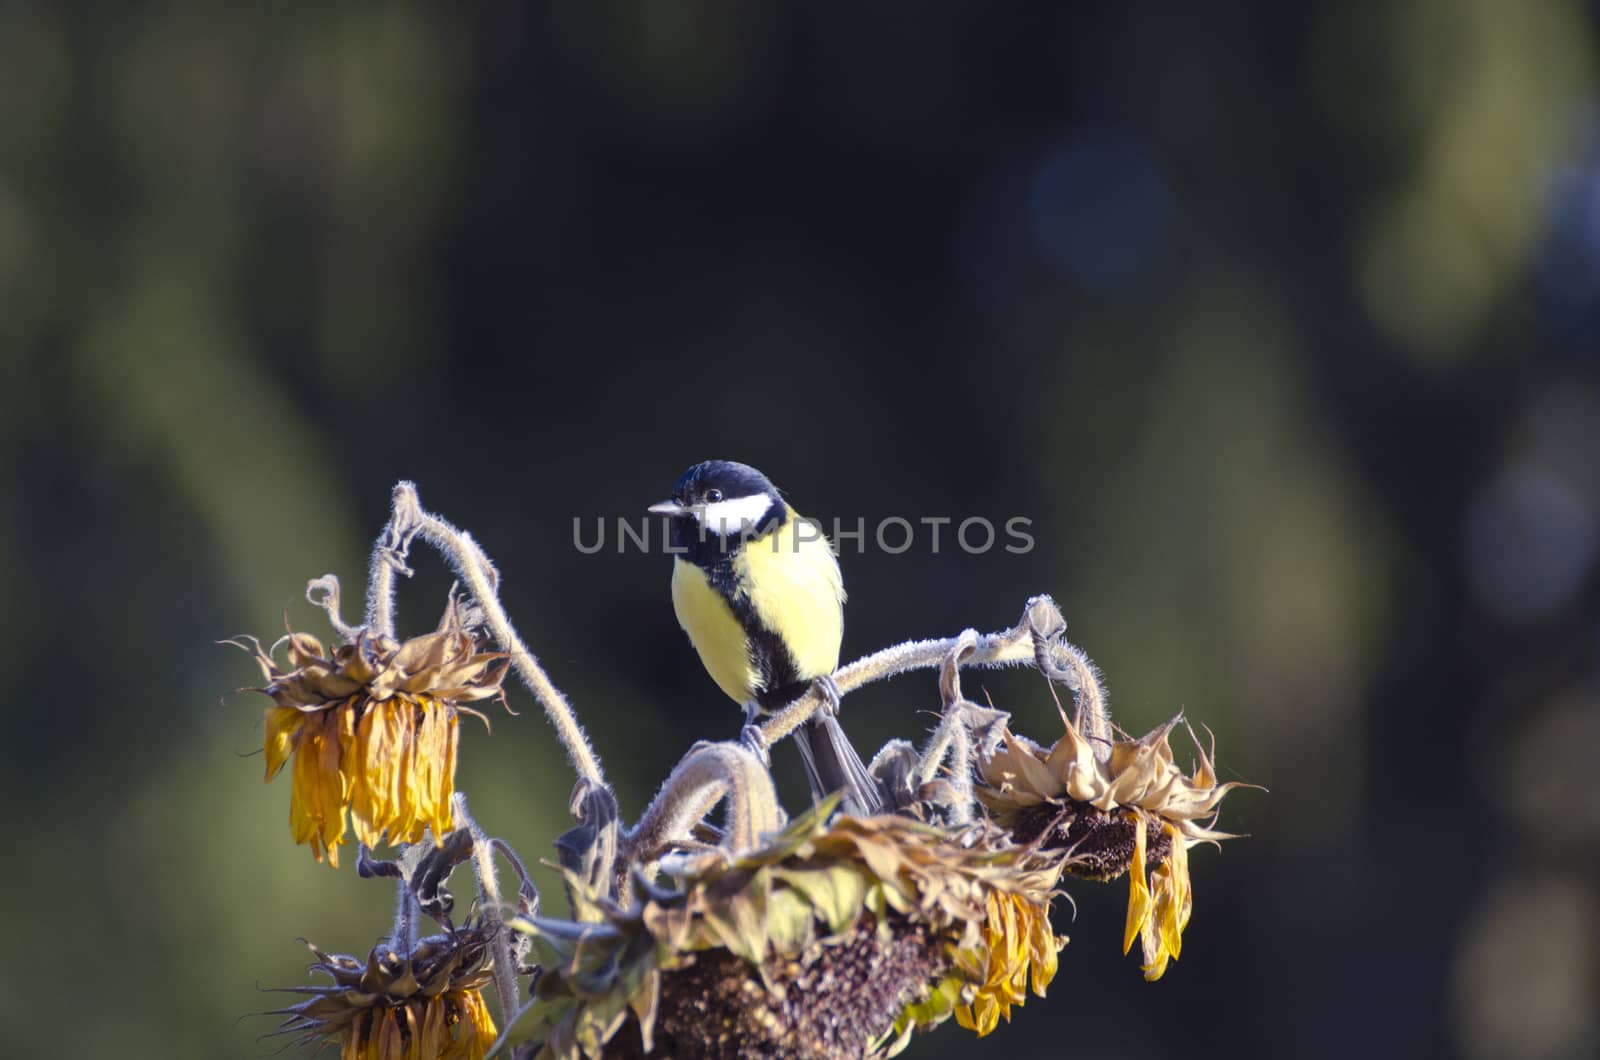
(759, 592)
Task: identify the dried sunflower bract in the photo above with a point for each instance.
(418, 1006)
(1130, 811)
(836, 939)
(372, 728)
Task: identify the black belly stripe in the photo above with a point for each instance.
(780, 678)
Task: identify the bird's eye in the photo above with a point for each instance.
(713, 496)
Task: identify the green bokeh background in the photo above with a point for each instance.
(1279, 323)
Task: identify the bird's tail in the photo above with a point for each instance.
(833, 765)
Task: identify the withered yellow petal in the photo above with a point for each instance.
(282, 726)
(1139, 902)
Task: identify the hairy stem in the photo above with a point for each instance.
(527, 893)
(404, 936)
(388, 558)
(951, 740)
(406, 908)
(1012, 647)
(1089, 697)
(472, 565)
(323, 592)
(709, 773)
(952, 744)
(505, 962)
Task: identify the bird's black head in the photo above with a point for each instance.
(716, 481)
(721, 503)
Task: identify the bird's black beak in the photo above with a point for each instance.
(668, 508)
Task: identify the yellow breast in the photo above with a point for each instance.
(796, 590)
(714, 631)
(793, 588)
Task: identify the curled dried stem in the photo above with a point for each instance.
(708, 774)
(952, 739)
(1011, 647)
(388, 559)
(505, 961)
(1064, 663)
(408, 522)
(589, 849)
(323, 592)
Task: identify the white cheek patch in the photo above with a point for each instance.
(734, 514)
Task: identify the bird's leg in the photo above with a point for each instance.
(825, 687)
(751, 736)
(831, 761)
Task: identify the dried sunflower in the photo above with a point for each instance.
(834, 939)
(1132, 810)
(372, 728)
(422, 1005)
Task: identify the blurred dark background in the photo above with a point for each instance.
(1278, 321)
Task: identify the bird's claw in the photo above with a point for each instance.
(825, 687)
(755, 741)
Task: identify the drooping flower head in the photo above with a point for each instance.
(836, 939)
(421, 1005)
(372, 728)
(1126, 812)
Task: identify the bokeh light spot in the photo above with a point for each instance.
(1099, 210)
(1427, 280)
(1552, 789)
(1568, 259)
(1526, 976)
(1530, 539)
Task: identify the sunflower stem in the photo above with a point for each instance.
(323, 592)
(1064, 662)
(709, 773)
(1011, 647)
(406, 908)
(951, 739)
(404, 937)
(505, 963)
(527, 903)
(527, 893)
(1091, 704)
(473, 566)
(951, 742)
(388, 558)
